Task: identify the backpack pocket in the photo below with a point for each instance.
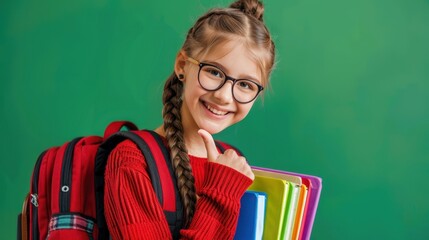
(71, 226)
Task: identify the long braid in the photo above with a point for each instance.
(179, 154)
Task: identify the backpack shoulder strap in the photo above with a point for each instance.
(160, 171)
(222, 147)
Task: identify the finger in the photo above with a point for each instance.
(230, 152)
(212, 153)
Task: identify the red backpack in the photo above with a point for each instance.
(67, 186)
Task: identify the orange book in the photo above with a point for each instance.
(298, 222)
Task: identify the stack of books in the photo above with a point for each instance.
(278, 205)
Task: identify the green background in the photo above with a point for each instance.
(349, 97)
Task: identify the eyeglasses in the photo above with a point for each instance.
(211, 78)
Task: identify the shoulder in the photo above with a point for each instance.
(126, 147)
(126, 154)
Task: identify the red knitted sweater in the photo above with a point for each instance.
(132, 209)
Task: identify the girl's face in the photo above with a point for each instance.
(214, 111)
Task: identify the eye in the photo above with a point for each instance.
(246, 85)
(213, 72)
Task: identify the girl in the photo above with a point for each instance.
(222, 67)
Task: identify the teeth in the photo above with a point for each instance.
(215, 111)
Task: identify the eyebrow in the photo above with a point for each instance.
(224, 69)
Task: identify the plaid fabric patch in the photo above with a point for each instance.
(71, 221)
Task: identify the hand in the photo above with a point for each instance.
(229, 158)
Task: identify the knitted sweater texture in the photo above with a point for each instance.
(132, 209)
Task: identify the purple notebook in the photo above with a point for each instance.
(316, 188)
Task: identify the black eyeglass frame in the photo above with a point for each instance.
(234, 80)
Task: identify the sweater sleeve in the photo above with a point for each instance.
(132, 209)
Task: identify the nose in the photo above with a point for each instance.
(224, 94)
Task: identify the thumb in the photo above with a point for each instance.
(212, 153)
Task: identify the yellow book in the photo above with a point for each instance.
(291, 202)
(277, 192)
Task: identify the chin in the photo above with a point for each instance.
(212, 129)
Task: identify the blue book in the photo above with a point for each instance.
(252, 216)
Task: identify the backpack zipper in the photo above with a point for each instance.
(66, 176)
(34, 196)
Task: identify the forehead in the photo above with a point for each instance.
(236, 59)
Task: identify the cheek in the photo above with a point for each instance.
(191, 85)
(192, 94)
(243, 110)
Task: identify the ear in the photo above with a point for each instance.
(179, 65)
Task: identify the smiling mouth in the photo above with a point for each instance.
(215, 111)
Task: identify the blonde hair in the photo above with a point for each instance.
(242, 21)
